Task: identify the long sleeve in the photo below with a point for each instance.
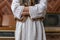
(38, 10)
(17, 9)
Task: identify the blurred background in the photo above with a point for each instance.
(51, 22)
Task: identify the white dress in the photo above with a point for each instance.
(30, 30)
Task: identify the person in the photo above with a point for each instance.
(32, 28)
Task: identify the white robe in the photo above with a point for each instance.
(30, 30)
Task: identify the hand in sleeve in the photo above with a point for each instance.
(25, 14)
(26, 11)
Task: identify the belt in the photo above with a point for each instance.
(24, 18)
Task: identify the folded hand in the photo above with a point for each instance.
(25, 11)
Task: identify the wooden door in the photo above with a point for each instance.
(5, 9)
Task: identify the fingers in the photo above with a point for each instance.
(26, 9)
(25, 13)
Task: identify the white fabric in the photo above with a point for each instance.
(17, 9)
(30, 30)
(39, 10)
